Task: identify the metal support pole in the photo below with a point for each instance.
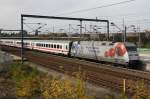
(138, 29)
(53, 29)
(85, 29)
(0, 32)
(80, 29)
(91, 29)
(0, 38)
(108, 31)
(69, 34)
(85, 32)
(125, 33)
(53, 37)
(22, 34)
(124, 85)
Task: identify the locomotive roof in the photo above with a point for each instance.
(129, 44)
(46, 41)
(56, 41)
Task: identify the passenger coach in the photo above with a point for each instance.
(118, 52)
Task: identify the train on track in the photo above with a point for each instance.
(113, 52)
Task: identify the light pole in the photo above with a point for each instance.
(80, 29)
(113, 24)
(0, 32)
(139, 36)
(125, 31)
(137, 30)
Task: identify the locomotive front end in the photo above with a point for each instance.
(133, 55)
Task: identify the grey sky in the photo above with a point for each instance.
(135, 12)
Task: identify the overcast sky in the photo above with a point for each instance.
(135, 12)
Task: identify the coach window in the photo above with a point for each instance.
(51, 45)
(46, 45)
(66, 47)
(54, 45)
(58, 46)
(111, 43)
(103, 43)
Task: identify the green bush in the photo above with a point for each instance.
(30, 82)
(147, 45)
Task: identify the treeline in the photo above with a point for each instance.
(142, 41)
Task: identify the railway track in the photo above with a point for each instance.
(99, 74)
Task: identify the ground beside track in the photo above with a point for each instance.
(92, 90)
(102, 75)
(145, 57)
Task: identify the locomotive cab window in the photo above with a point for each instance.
(131, 48)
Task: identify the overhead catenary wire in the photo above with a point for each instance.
(103, 6)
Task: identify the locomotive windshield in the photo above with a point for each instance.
(131, 48)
